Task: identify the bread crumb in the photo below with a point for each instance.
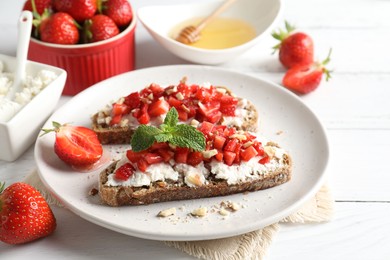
(199, 212)
(93, 192)
(233, 206)
(279, 132)
(167, 212)
(224, 212)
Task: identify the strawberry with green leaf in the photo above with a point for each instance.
(118, 10)
(295, 48)
(80, 10)
(24, 214)
(59, 28)
(100, 27)
(40, 6)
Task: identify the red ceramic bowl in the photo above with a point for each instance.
(87, 64)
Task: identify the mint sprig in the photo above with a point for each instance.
(170, 131)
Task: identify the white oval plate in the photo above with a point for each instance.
(283, 118)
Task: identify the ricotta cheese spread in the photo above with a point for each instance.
(32, 86)
(197, 176)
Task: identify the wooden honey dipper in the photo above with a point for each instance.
(191, 34)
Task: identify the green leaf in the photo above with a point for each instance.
(172, 118)
(163, 137)
(144, 137)
(188, 136)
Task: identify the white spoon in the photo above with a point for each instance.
(8, 108)
(24, 33)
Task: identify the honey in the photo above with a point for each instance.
(220, 33)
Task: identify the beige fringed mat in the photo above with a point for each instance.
(253, 245)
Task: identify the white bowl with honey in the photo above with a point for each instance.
(224, 38)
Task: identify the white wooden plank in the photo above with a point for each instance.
(358, 171)
(356, 232)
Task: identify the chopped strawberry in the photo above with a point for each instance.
(248, 153)
(134, 156)
(158, 108)
(264, 160)
(206, 127)
(229, 157)
(133, 100)
(143, 117)
(142, 164)
(76, 145)
(124, 172)
(152, 158)
(219, 156)
(174, 102)
(259, 148)
(219, 142)
(166, 154)
(181, 155)
(214, 117)
(194, 158)
(231, 145)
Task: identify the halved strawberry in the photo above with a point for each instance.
(306, 78)
(76, 145)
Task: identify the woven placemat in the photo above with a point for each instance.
(252, 245)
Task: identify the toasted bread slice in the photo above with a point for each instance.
(246, 119)
(275, 172)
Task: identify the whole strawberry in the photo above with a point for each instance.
(306, 78)
(80, 10)
(40, 5)
(119, 11)
(76, 145)
(59, 28)
(100, 27)
(24, 214)
(295, 48)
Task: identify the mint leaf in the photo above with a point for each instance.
(172, 118)
(181, 135)
(163, 137)
(144, 137)
(188, 136)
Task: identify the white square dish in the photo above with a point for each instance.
(17, 134)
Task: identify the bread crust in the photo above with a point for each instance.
(121, 195)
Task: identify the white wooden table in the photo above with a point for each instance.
(354, 106)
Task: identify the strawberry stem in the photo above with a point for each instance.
(56, 128)
(325, 62)
(2, 185)
(281, 35)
